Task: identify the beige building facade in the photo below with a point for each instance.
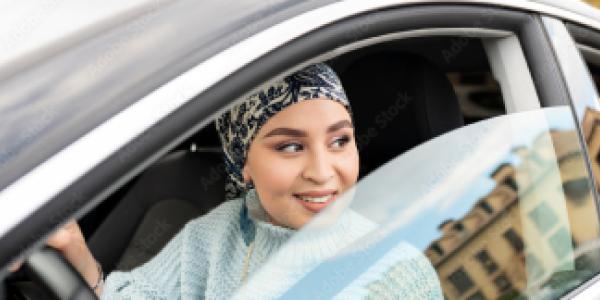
(538, 223)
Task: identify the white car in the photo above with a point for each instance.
(477, 121)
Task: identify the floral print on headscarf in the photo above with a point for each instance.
(238, 126)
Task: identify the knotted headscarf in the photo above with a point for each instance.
(238, 126)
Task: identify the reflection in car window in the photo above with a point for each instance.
(500, 208)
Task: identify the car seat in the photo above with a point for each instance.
(181, 186)
(399, 100)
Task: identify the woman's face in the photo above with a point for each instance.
(302, 159)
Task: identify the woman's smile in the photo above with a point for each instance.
(315, 201)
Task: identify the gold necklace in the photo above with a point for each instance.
(247, 261)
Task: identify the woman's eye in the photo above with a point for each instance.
(292, 147)
(341, 141)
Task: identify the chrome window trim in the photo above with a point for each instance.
(589, 290)
(34, 189)
(465, 32)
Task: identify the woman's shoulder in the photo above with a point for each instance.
(220, 217)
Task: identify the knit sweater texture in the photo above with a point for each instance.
(211, 255)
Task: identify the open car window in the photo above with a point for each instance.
(501, 208)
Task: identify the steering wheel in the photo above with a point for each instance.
(54, 277)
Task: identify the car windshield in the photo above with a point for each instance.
(500, 208)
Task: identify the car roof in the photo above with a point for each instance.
(578, 7)
(27, 27)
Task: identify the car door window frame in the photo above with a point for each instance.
(176, 122)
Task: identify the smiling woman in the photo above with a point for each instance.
(287, 159)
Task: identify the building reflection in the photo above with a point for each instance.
(534, 233)
(595, 3)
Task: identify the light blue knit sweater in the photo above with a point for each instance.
(206, 260)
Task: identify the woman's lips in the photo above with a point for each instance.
(316, 207)
(317, 193)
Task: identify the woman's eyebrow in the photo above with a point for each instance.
(299, 133)
(285, 131)
(339, 125)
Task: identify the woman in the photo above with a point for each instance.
(287, 159)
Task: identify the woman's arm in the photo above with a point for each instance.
(158, 278)
(70, 242)
(161, 277)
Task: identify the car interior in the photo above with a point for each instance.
(423, 87)
(403, 93)
(594, 67)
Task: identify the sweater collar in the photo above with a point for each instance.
(253, 217)
(316, 240)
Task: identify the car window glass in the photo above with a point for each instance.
(500, 209)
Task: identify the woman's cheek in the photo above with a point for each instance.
(280, 175)
(350, 164)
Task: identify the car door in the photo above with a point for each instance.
(523, 63)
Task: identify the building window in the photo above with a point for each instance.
(461, 281)
(486, 261)
(437, 248)
(561, 243)
(534, 267)
(510, 182)
(584, 262)
(477, 296)
(543, 217)
(514, 239)
(486, 207)
(502, 284)
(577, 190)
(458, 226)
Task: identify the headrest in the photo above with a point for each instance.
(399, 101)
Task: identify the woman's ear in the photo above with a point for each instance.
(246, 174)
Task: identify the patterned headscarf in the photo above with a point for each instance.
(238, 126)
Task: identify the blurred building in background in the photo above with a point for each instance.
(525, 209)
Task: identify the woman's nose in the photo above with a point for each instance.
(319, 168)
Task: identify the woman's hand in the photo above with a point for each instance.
(69, 241)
